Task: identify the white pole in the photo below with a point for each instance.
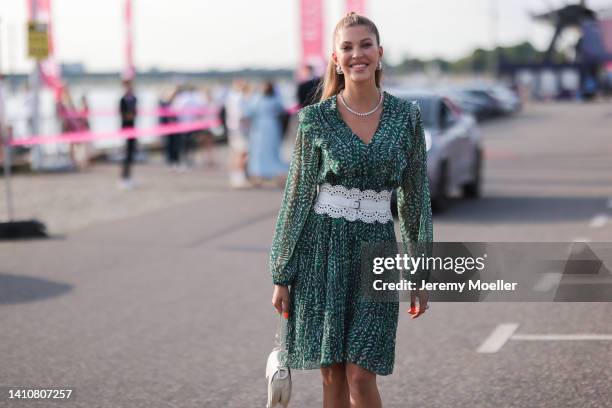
(5, 136)
(4, 139)
(1, 59)
(36, 151)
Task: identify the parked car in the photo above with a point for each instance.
(511, 102)
(489, 100)
(454, 149)
(479, 107)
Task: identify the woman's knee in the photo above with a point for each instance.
(359, 378)
(334, 374)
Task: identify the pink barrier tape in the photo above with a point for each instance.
(160, 130)
(128, 133)
(161, 112)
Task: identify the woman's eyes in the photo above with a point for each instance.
(364, 46)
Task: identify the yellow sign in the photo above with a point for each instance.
(38, 42)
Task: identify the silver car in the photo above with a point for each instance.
(454, 149)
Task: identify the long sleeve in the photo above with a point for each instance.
(413, 198)
(298, 198)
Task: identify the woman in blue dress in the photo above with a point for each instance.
(265, 137)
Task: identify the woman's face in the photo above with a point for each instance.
(357, 53)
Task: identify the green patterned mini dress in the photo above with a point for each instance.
(318, 256)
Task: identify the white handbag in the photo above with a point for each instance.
(278, 374)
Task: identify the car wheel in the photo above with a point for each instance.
(439, 201)
(473, 188)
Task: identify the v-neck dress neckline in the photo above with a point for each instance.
(345, 125)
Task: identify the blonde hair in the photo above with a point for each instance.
(332, 81)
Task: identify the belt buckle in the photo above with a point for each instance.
(358, 202)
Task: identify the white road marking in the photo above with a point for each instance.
(586, 280)
(548, 281)
(550, 337)
(599, 221)
(505, 332)
(551, 280)
(498, 338)
(580, 240)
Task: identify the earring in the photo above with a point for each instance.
(339, 69)
(379, 67)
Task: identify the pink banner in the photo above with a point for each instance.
(311, 16)
(130, 71)
(358, 6)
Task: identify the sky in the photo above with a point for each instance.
(234, 34)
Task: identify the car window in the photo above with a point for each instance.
(428, 111)
(453, 107)
(447, 117)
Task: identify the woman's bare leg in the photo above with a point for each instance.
(335, 386)
(362, 387)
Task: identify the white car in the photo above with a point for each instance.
(454, 149)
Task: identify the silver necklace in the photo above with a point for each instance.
(380, 101)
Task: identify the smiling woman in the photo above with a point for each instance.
(356, 145)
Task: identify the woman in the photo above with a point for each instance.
(83, 150)
(265, 137)
(168, 117)
(237, 129)
(356, 138)
(70, 119)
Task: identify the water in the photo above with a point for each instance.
(105, 99)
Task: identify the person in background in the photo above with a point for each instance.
(66, 111)
(237, 128)
(127, 109)
(166, 117)
(69, 119)
(206, 136)
(84, 112)
(82, 150)
(265, 138)
(309, 91)
(190, 106)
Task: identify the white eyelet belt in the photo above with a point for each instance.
(354, 204)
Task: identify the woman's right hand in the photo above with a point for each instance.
(423, 297)
(280, 300)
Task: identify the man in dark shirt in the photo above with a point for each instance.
(308, 92)
(127, 108)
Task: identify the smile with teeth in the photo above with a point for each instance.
(358, 65)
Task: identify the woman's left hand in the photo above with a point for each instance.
(423, 296)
